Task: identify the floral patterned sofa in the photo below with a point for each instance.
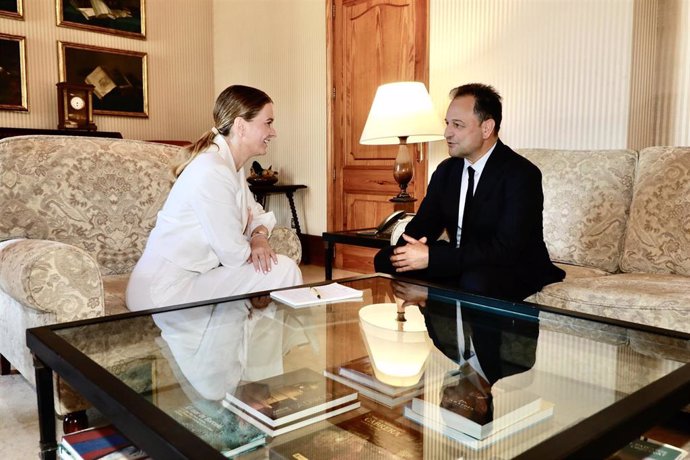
(76, 213)
(618, 223)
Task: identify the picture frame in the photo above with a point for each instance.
(13, 9)
(119, 77)
(13, 94)
(126, 18)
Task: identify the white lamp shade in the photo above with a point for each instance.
(398, 351)
(402, 109)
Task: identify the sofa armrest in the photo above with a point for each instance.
(54, 277)
(285, 241)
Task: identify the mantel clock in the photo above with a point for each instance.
(75, 106)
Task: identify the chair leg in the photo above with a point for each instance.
(75, 421)
(5, 366)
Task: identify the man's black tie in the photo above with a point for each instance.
(468, 200)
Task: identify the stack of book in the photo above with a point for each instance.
(223, 430)
(359, 375)
(286, 402)
(513, 410)
(366, 435)
(103, 443)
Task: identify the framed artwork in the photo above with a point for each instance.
(119, 77)
(13, 73)
(12, 9)
(118, 17)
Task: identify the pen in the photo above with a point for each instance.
(315, 292)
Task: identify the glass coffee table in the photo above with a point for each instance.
(462, 376)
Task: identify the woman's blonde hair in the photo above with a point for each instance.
(235, 101)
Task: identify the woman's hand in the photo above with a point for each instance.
(262, 254)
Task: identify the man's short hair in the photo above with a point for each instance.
(487, 101)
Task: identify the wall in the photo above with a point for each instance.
(279, 46)
(180, 59)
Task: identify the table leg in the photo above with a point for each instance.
(261, 199)
(46, 410)
(291, 200)
(328, 261)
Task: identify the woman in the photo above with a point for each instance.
(211, 237)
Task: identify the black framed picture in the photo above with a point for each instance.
(13, 73)
(119, 77)
(118, 17)
(12, 9)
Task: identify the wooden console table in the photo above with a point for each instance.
(262, 191)
(11, 132)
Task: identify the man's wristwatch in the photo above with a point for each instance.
(259, 233)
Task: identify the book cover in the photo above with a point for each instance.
(369, 435)
(371, 393)
(316, 295)
(94, 443)
(289, 397)
(478, 416)
(300, 423)
(361, 371)
(221, 429)
(544, 412)
(645, 448)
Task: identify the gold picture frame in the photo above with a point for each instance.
(119, 77)
(13, 9)
(13, 93)
(126, 18)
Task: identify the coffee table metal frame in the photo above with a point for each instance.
(161, 437)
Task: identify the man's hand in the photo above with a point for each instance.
(410, 294)
(413, 256)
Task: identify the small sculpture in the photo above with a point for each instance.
(260, 176)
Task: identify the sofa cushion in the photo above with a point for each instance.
(652, 299)
(577, 271)
(93, 193)
(587, 198)
(658, 235)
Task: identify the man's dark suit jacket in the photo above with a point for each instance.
(504, 228)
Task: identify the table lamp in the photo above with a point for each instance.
(402, 113)
(397, 342)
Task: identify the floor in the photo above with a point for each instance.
(19, 423)
(19, 420)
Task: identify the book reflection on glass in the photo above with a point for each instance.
(285, 402)
(361, 371)
(368, 435)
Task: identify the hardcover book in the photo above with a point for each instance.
(223, 430)
(361, 371)
(645, 448)
(300, 423)
(95, 443)
(371, 393)
(544, 412)
(506, 408)
(289, 397)
(369, 435)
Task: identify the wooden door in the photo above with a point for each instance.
(373, 42)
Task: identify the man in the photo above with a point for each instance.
(496, 245)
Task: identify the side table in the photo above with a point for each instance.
(360, 237)
(262, 191)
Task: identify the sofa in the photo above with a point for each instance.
(76, 213)
(618, 223)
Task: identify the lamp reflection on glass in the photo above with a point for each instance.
(397, 342)
(402, 113)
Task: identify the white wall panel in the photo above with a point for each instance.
(562, 67)
(279, 46)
